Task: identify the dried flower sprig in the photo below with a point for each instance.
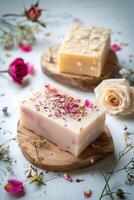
(128, 74)
(38, 143)
(5, 156)
(4, 151)
(16, 35)
(37, 177)
(16, 32)
(129, 170)
(33, 14)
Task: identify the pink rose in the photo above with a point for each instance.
(14, 187)
(18, 69)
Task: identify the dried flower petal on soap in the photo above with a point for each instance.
(88, 104)
(67, 177)
(61, 104)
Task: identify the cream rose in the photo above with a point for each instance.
(116, 96)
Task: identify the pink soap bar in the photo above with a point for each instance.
(63, 117)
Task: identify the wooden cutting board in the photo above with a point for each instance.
(85, 83)
(51, 157)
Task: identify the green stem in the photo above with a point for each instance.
(4, 71)
(115, 193)
(12, 15)
(51, 178)
(5, 23)
(3, 171)
(41, 23)
(3, 30)
(124, 152)
(107, 186)
(7, 141)
(117, 170)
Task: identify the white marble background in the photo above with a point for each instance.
(59, 15)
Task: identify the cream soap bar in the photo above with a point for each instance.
(84, 51)
(62, 117)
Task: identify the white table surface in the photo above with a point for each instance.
(59, 15)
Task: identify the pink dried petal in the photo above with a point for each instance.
(79, 180)
(25, 47)
(116, 47)
(50, 89)
(14, 187)
(88, 104)
(30, 69)
(67, 177)
(87, 193)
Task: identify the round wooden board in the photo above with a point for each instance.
(51, 157)
(85, 83)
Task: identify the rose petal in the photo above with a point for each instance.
(30, 69)
(87, 193)
(116, 47)
(25, 47)
(14, 187)
(67, 177)
(129, 110)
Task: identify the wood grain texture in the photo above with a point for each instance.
(85, 83)
(51, 157)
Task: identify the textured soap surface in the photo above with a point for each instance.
(62, 117)
(84, 50)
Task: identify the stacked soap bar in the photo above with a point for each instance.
(62, 117)
(84, 51)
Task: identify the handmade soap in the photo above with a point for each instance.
(84, 51)
(62, 117)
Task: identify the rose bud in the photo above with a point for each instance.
(34, 12)
(18, 69)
